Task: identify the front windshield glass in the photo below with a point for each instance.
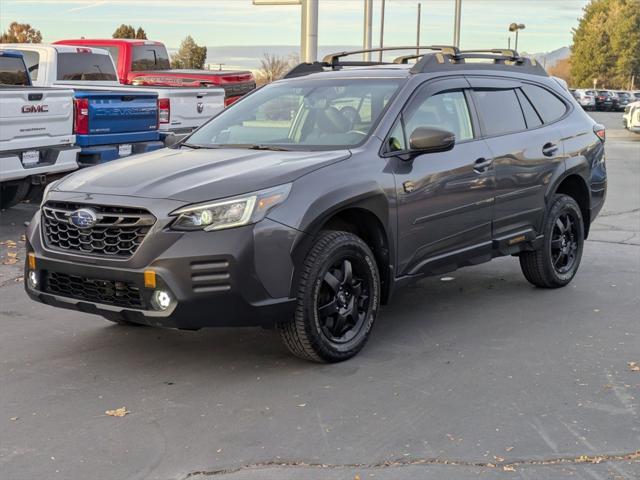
(303, 115)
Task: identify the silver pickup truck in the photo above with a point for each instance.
(36, 131)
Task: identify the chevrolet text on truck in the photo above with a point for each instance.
(146, 62)
(110, 122)
(36, 131)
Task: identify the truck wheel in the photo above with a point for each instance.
(556, 263)
(13, 193)
(337, 300)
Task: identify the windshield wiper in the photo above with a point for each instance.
(191, 145)
(267, 147)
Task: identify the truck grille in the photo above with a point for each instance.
(110, 292)
(117, 232)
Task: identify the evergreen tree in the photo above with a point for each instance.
(190, 55)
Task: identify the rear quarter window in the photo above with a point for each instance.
(500, 111)
(549, 107)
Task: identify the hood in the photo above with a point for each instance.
(197, 175)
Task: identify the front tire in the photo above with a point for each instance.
(556, 263)
(337, 300)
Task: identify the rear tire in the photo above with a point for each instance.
(13, 193)
(556, 263)
(338, 299)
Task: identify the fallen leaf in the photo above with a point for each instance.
(10, 261)
(118, 412)
(357, 477)
(302, 405)
(508, 468)
(634, 367)
(13, 419)
(508, 449)
(498, 459)
(12, 254)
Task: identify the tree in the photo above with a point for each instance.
(606, 44)
(273, 67)
(189, 55)
(561, 69)
(21, 33)
(127, 31)
(141, 34)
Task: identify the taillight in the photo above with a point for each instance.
(600, 131)
(230, 100)
(81, 121)
(164, 110)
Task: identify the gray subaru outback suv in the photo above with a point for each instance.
(307, 203)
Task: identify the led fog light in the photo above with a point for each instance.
(32, 278)
(160, 300)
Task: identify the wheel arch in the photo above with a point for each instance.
(573, 183)
(368, 218)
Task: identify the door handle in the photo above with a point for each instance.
(549, 149)
(481, 164)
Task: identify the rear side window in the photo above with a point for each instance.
(149, 57)
(500, 111)
(550, 107)
(85, 66)
(530, 115)
(13, 71)
(32, 59)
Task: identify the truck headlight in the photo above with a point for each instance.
(231, 212)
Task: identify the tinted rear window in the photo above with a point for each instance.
(13, 71)
(85, 66)
(546, 103)
(150, 57)
(500, 111)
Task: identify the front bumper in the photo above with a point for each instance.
(235, 277)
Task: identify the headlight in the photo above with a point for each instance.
(229, 213)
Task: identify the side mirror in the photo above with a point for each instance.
(429, 140)
(171, 140)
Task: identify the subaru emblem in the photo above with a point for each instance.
(200, 107)
(83, 218)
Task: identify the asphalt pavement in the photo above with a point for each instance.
(473, 375)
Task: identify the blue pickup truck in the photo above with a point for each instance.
(108, 124)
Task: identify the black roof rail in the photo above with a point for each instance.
(504, 59)
(333, 59)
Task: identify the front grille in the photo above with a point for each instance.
(117, 232)
(108, 292)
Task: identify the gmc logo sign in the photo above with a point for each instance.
(35, 108)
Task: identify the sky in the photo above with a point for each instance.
(239, 22)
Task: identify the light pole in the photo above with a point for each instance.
(308, 26)
(368, 29)
(456, 25)
(381, 30)
(516, 27)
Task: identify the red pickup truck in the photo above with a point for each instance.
(146, 62)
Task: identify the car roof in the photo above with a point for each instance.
(108, 41)
(56, 47)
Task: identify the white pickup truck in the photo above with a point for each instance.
(181, 109)
(36, 131)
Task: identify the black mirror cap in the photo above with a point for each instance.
(429, 139)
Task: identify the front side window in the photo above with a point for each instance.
(150, 57)
(448, 111)
(500, 111)
(305, 114)
(86, 67)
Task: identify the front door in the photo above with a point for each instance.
(444, 199)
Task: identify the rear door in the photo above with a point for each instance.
(444, 199)
(526, 151)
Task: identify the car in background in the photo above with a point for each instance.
(147, 62)
(631, 117)
(586, 98)
(635, 95)
(624, 99)
(606, 100)
(37, 144)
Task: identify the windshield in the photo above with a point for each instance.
(86, 66)
(150, 57)
(311, 114)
